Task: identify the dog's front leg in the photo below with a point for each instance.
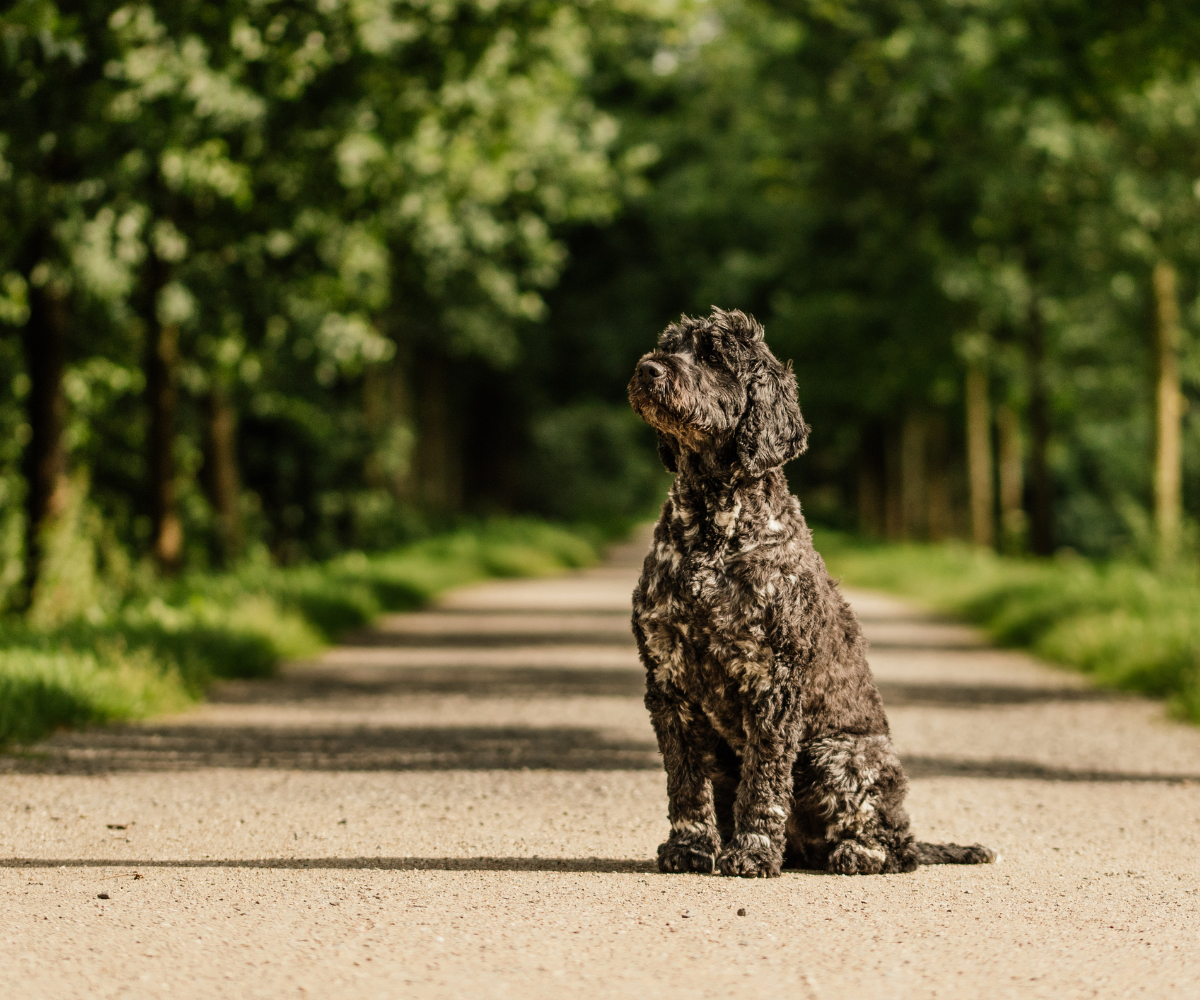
(687, 742)
(764, 795)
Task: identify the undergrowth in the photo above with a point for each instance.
(1125, 625)
(159, 650)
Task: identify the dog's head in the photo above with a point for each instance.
(714, 387)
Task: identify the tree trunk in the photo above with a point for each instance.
(1168, 413)
(1041, 514)
(221, 473)
(438, 461)
(45, 460)
(1012, 483)
(937, 488)
(387, 411)
(893, 496)
(979, 456)
(872, 517)
(912, 477)
(162, 397)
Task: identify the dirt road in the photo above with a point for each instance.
(465, 802)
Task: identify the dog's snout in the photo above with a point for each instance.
(651, 369)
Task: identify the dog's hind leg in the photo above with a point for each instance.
(848, 807)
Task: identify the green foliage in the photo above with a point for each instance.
(1124, 625)
(594, 463)
(310, 196)
(898, 188)
(42, 691)
(404, 256)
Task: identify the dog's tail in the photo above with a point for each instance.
(955, 854)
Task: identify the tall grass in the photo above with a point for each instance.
(160, 649)
(1124, 624)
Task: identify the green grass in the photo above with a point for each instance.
(40, 691)
(159, 651)
(1123, 624)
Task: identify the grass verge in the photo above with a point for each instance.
(160, 651)
(1123, 624)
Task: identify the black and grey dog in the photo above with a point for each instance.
(772, 732)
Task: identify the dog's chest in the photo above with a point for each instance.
(704, 623)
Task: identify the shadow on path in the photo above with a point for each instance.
(475, 682)
(188, 748)
(598, 865)
(373, 748)
(985, 695)
(317, 685)
(943, 767)
(381, 638)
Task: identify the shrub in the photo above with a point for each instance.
(1125, 625)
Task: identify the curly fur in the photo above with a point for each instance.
(773, 735)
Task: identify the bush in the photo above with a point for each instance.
(43, 691)
(596, 463)
(1125, 625)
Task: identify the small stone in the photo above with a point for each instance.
(103, 895)
(685, 914)
(741, 911)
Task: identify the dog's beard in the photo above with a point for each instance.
(691, 405)
(663, 419)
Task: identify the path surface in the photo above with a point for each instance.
(465, 801)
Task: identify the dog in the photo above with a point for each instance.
(772, 732)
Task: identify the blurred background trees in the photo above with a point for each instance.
(290, 277)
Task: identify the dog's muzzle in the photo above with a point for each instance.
(650, 390)
(648, 371)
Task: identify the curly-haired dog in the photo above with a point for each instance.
(772, 732)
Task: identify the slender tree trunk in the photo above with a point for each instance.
(1041, 514)
(872, 519)
(387, 411)
(937, 489)
(221, 472)
(979, 456)
(45, 460)
(912, 476)
(1168, 412)
(893, 485)
(376, 415)
(870, 501)
(162, 398)
(1012, 484)
(438, 461)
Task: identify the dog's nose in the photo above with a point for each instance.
(650, 369)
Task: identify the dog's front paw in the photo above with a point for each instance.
(752, 856)
(689, 853)
(852, 858)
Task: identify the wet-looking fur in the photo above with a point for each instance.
(772, 732)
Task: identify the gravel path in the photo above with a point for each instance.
(465, 802)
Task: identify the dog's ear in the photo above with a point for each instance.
(771, 431)
(668, 451)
